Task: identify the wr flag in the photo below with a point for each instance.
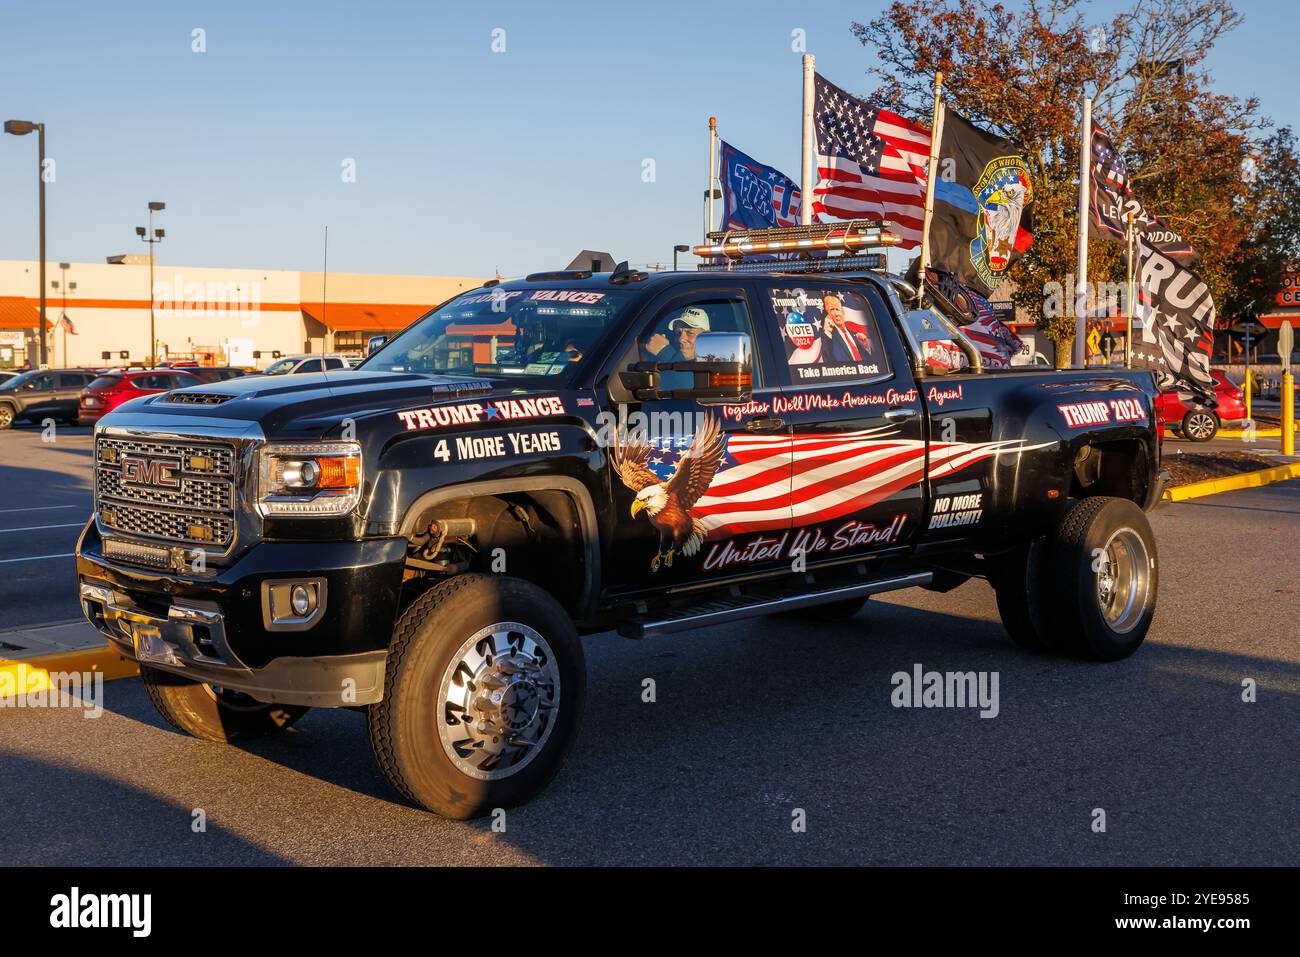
(755, 196)
(983, 215)
(1112, 200)
(870, 163)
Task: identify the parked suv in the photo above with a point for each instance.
(107, 392)
(42, 394)
(292, 365)
(1194, 421)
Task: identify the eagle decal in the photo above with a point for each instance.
(668, 503)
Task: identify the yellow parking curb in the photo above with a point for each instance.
(1255, 479)
(1258, 433)
(33, 674)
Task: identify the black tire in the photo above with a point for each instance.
(1102, 540)
(405, 727)
(1199, 425)
(212, 714)
(1018, 583)
(6, 416)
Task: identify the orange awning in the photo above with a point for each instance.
(1273, 320)
(363, 316)
(19, 313)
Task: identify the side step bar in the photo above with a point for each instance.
(733, 608)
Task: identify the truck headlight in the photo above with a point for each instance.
(320, 479)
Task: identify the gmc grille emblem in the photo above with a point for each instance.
(160, 473)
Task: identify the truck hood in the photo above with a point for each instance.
(305, 406)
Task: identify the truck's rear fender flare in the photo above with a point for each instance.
(576, 491)
(1044, 478)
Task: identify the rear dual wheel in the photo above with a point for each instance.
(1087, 591)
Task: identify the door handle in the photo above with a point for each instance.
(897, 415)
(765, 424)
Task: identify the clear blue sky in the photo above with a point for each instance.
(466, 160)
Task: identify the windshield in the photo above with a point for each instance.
(17, 381)
(506, 333)
(283, 367)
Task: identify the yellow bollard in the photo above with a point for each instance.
(1245, 390)
(1288, 414)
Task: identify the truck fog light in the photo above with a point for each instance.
(293, 604)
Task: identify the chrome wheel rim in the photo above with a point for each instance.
(498, 701)
(1123, 580)
(1200, 426)
(6, 416)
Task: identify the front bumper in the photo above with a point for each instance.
(214, 627)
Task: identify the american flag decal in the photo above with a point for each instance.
(768, 482)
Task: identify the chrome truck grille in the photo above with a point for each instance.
(181, 492)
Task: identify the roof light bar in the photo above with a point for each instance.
(854, 263)
(845, 236)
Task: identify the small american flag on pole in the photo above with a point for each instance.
(870, 162)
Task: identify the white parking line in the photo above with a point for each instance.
(37, 508)
(33, 528)
(35, 558)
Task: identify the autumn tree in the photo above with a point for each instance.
(1023, 73)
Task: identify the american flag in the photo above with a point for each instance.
(870, 162)
(769, 482)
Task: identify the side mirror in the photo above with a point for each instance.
(374, 343)
(723, 369)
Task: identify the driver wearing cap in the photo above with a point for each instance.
(679, 344)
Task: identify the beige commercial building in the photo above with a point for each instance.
(240, 317)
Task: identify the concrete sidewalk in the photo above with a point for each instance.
(29, 655)
(73, 635)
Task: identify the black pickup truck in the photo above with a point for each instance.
(425, 537)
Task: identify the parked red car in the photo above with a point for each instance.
(1196, 423)
(110, 390)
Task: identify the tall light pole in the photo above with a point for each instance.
(22, 128)
(152, 237)
(679, 249)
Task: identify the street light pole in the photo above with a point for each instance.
(152, 237)
(40, 176)
(22, 128)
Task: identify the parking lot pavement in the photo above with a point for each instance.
(45, 499)
(755, 721)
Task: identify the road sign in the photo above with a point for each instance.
(1247, 328)
(1285, 343)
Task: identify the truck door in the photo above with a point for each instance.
(846, 390)
(730, 516)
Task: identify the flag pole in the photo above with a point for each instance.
(1081, 277)
(806, 154)
(1132, 300)
(708, 193)
(936, 133)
